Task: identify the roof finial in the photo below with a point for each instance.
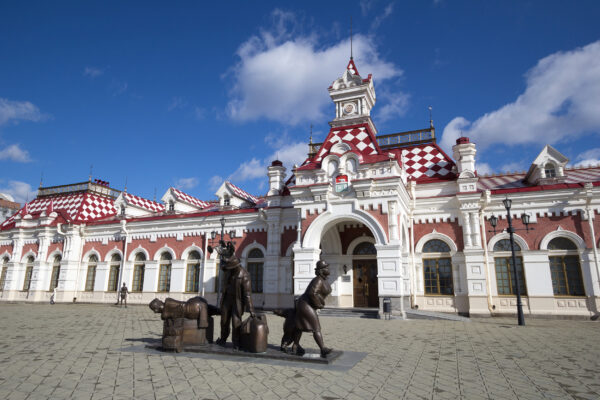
(41, 179)
(91, 170)
(311, 126)
(430, 118)
(125, 185)
(351, 55)
(154, 194)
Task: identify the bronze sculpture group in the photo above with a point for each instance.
(191, 323)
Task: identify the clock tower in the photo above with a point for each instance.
(353, 97)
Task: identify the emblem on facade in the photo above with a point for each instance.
(341, 183)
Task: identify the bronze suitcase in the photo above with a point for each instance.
(173, 334)
(255, 333)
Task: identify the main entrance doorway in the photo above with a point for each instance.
(366, 292)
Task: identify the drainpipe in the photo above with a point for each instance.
(413, 283)
(488, 284)
(81, 229)
(590, 216)
(205, 259)
(120, 280)
(64, 235)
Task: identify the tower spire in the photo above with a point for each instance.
(351, 55)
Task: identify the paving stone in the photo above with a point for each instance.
(80, 351)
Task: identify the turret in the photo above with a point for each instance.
(276, 172)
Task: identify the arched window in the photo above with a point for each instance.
(226, 200)
(113, 276)
(505, 279)
(437, 268)
(171, 206)
(139, 269)
(164, 275)
(550, 170)
(332, 167)
(192, 278)
(565, 268)
(55, 273)
(256, 260)
(365, 249)
(3, 275)
(28, 273)
(90, 279)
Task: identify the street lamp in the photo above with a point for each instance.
(525, 219)
(222, 220)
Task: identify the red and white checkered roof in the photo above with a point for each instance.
(243, 194)
(517, 180)
(143, 203)
(186, 198)
(427, 161)
(80, 207)
(358, 137)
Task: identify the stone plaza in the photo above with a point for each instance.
(79, 351)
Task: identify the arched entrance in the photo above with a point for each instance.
(364, 273)
(349, 248)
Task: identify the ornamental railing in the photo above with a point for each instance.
(392, 140)
(81, 187)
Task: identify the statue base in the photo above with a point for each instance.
(272, 352)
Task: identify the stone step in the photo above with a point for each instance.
(350, 312)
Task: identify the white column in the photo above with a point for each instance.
(467, 229)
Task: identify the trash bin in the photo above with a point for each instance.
(387, 307)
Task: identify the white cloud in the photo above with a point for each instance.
(186, 183)
(283, 76)
(14, 111)
(92, 72)
(395, 106)
(588, 158)
(512, 167)
(286, 152)
(215, 182)
(387, 11)
(484, 169)
(14, 153)
(560, 102)
(20, 191)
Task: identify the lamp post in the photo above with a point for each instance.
(525, 219)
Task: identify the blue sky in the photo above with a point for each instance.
(190, 93)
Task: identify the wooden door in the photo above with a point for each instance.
(366, 292)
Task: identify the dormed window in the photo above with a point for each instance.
(565, 268)
(90, 279)
(437, 268)
(164, 277)
(192, 280)
(55, 272)
(139, 270)
(171, 205)
(113, 276)
(255, 264)
(226, 200)
(550, 170)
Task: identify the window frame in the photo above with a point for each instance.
(193, 280)
(54, 278)
(428, 256)
(28, 273)
(91, 270)
(114, 270)
(164, 273)
(256, 268)
(562, 254)
(508, 257)
(5, 261)
(139, 273)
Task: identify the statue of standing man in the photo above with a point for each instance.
(236, 296)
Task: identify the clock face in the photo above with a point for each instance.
(348, 108)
